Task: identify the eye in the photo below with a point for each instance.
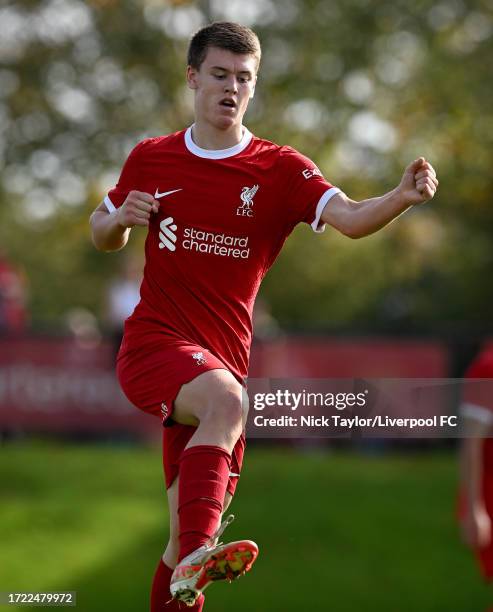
(219, 76)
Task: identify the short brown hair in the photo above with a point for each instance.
(224, 35)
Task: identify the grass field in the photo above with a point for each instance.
(337, 532)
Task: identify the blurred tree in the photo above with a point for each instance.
(362, 88)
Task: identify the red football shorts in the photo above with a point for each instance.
(151, 377)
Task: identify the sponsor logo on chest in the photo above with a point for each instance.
(212, 243)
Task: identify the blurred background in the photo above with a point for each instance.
(363, 89)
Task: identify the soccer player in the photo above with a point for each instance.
(476, 510)
(218, 204)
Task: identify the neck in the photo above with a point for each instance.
(209, 137)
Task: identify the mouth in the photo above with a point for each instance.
(228, 103)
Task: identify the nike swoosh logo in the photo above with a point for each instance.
(158, 195)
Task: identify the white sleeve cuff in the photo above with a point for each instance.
(322, 203)
(477, 413)
(109, 205)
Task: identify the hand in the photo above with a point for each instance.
(419, 182)
(137, 209)
(476, 528)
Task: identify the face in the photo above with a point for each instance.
(223, 87)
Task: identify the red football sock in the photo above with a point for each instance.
(160, 594)
(204, 474)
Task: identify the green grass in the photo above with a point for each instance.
(337, 532)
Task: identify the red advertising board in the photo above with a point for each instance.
(60, 385)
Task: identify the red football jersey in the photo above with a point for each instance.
(224, 216)
(478, 402)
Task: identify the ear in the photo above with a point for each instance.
(253, 88)
(191, 77)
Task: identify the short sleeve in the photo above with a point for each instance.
(130, 179)
(477, 394)
(305, 191)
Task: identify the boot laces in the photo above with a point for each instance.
(213, 540)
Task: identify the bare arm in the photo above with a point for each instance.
(110, 231)
(476, 526)
(358, 219)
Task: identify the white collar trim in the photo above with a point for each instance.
(217, 153)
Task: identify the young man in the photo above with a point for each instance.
(476, 512)
(218, 204)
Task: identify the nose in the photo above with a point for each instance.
(231, 85)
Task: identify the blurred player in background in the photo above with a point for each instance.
(13, 298)
(218, 204)
(476, 511)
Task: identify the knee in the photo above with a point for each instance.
(226, 406)
(214, 397)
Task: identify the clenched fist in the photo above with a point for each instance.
(419, 182)
(137, 209)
